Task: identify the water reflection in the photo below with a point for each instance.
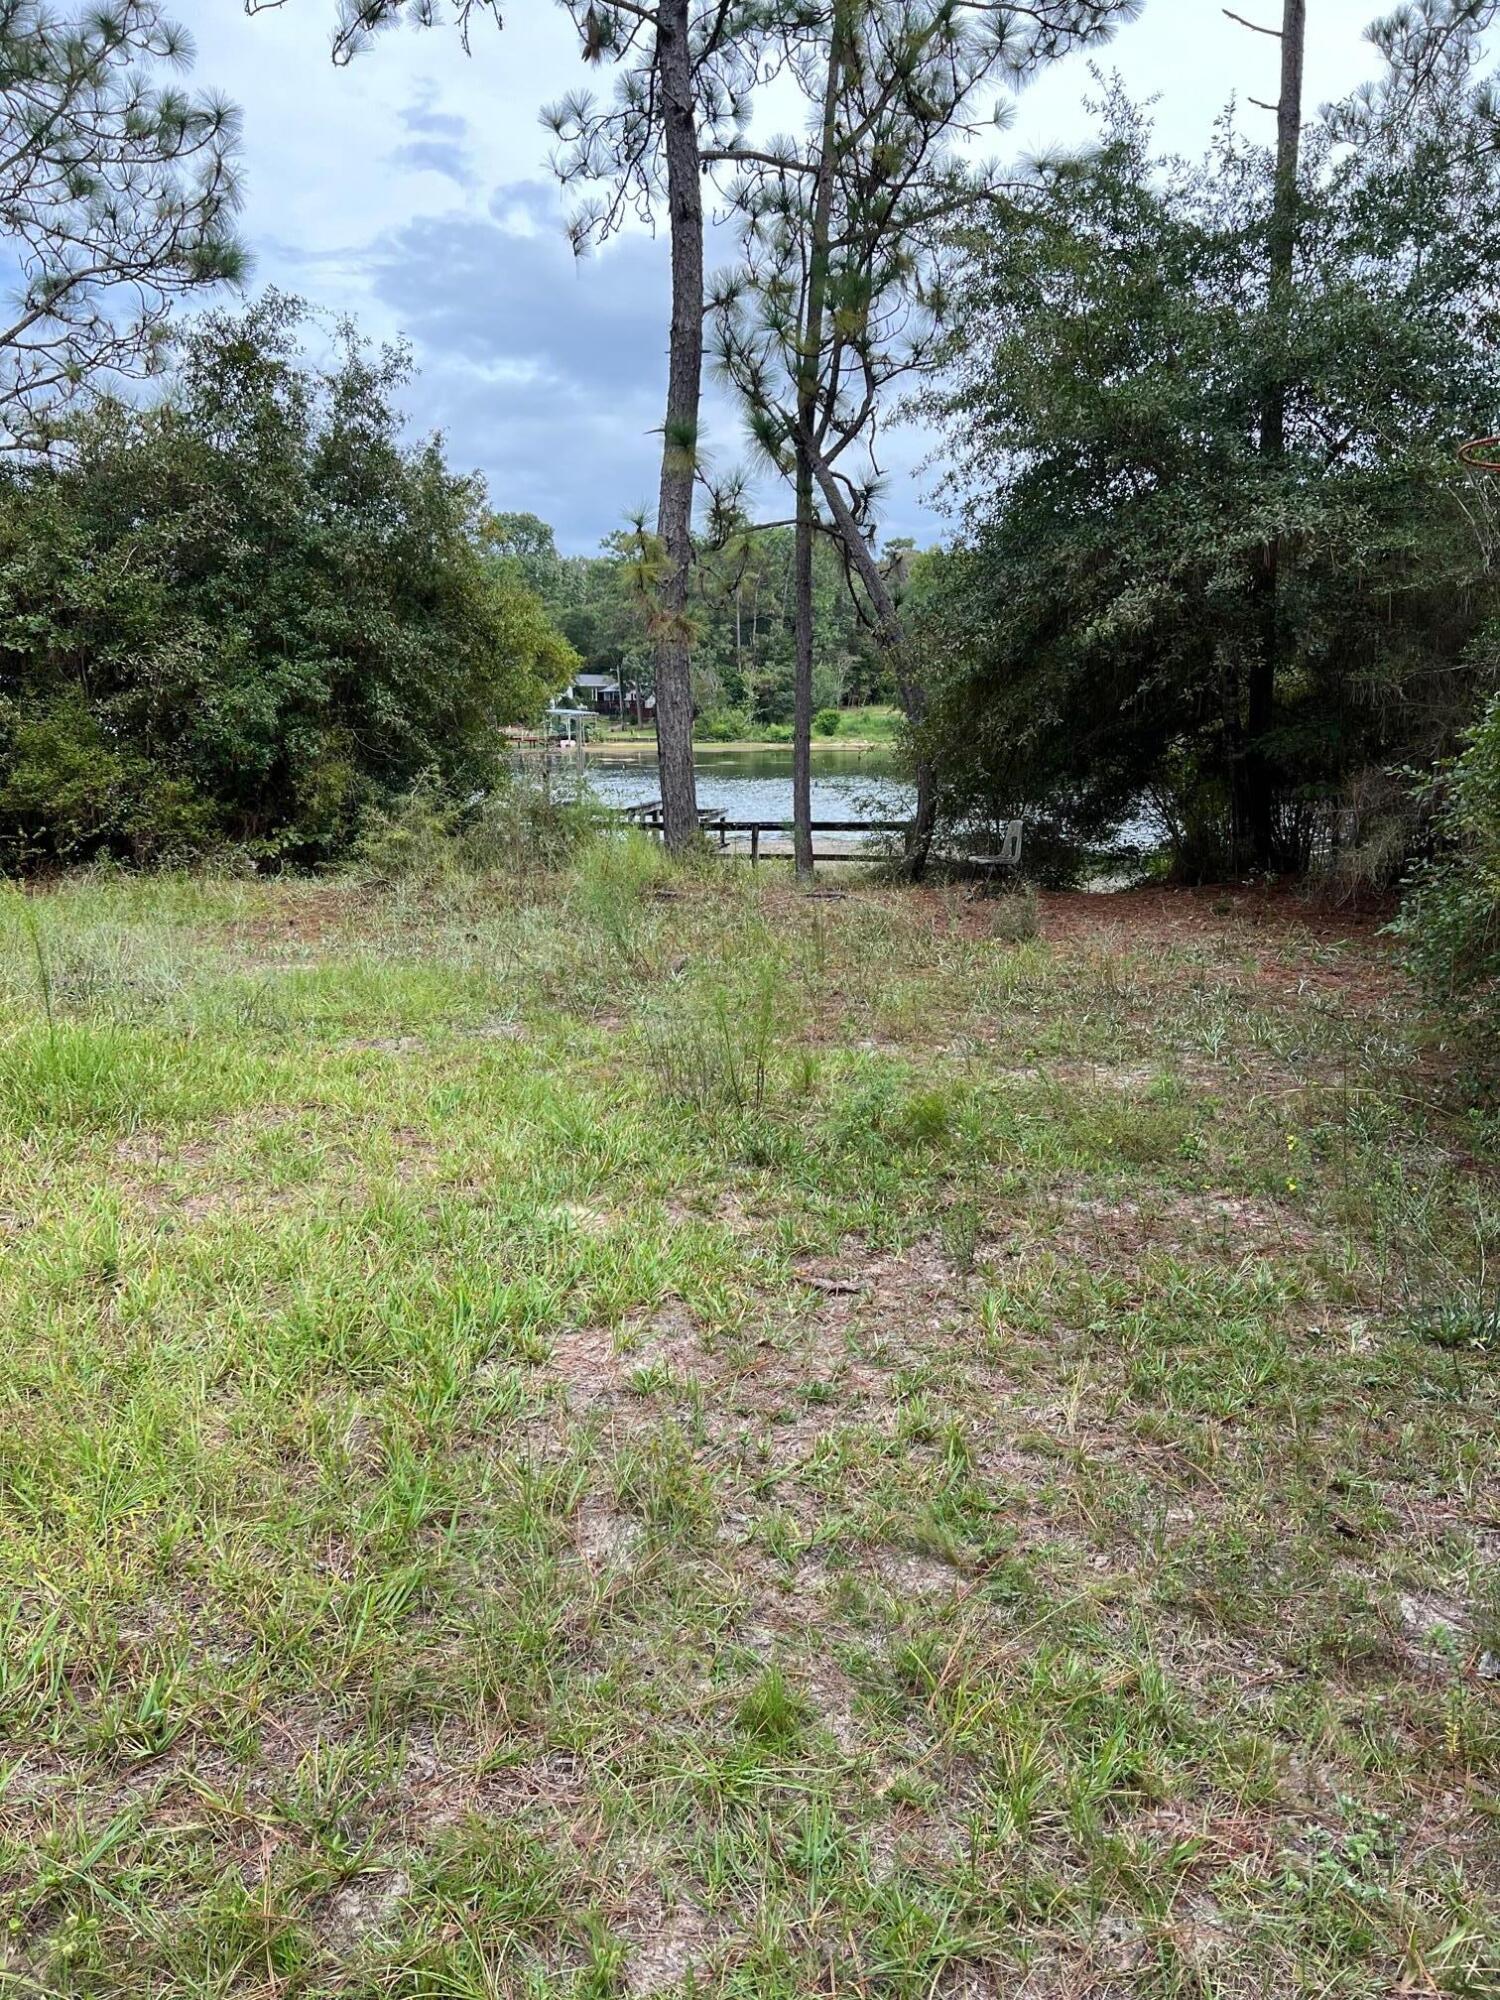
(757, 784)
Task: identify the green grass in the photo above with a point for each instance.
(859, 729)
(663, 1436)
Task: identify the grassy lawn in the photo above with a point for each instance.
(634, 1436)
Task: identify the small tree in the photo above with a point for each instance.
(839, 294)
(117, 195)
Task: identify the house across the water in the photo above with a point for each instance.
(606, 694)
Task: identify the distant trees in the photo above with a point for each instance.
(742, 611)
(1112, 353)
(117, 195)
(250, 611)
(527, 548)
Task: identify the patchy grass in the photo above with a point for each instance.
(671, 1437)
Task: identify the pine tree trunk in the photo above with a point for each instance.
(810, 358)
(802, 840)
(1259, 777)
(674, 521)
(923, 826)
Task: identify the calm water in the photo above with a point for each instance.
(757, 784)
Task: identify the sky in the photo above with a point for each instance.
(411, 189)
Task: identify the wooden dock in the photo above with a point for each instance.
(714, 822)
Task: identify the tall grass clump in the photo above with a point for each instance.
(613, 895)
(41, 962)
(515, 829)
(718, 1043)
(92, 1076)
(1014, 916)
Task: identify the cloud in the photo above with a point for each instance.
(441, 141)
(435, 156)
(420, 116)
(545, 372)
(467, 285)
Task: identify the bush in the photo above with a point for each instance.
(245, 611)
(826, 722)
(66, 791)
(723, 725)
(1451, 921)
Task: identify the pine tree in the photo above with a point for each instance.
(838, 297)
(117, 196)
(680, 108)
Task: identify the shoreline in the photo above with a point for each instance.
(634, 749)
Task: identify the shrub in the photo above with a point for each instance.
(517, 827)
(1451, 920)
(723, 725)
(826, 722)
(244, 611)
(412, 839)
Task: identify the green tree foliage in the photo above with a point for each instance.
(527, 547)
(1110, 360)
(837, 294)
(117, 195)
(1452, 921)
(250, 611)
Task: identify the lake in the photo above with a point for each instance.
(757, 784)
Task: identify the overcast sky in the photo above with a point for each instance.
(411, 189)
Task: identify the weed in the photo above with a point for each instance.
(770, 1713)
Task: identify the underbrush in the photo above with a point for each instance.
(1451, 921)
(518, 829)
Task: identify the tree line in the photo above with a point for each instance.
(1219, 551)
(742, 613)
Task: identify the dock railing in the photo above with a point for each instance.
(715, 823)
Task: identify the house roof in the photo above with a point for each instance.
(594, 680)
